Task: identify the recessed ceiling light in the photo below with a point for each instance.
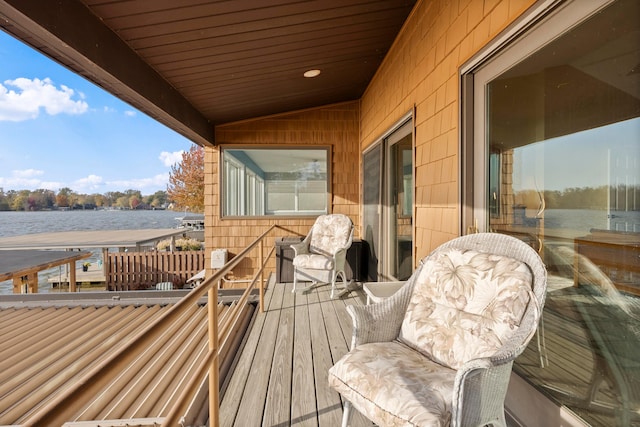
(312, 73)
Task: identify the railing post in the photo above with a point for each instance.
(214, 371)
(261, 256)
(72, 277)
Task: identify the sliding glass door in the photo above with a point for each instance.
(556, 163)
(388, 205)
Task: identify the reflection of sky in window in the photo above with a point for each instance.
(578, 160)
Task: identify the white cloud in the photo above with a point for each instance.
(19, 183)
(27, 173)
(89, 183)
(170, 159)
(51, 185)
(28, 97)
(156, 181)
(29, 179)
(130, 113)
(26, 179)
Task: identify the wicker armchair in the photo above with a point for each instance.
(321, 256)
(440, 351)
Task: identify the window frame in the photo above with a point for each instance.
(223, 196)
(522, 37)
(513, 44)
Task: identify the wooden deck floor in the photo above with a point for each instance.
(281, 375)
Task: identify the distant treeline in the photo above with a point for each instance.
(41, 199)
(622, 197)
(604, 197)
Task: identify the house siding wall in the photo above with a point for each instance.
(421, 73)
(335, 126)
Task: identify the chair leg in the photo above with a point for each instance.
(346, 414)
(345, 284)
(295, 279)
(334, 276)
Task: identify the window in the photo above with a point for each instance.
(274, 181)
(555, 141)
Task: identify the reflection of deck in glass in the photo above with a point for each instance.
(591, 341)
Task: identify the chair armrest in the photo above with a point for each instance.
(479, 391)
(378, 291)
(380, 322)
(302, 247)
(340, 258)
(341, 254)
(472, 367)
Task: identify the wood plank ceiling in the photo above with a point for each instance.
(193, 63)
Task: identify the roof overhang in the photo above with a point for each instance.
(70, 34)
(192, 65)
(23, 262)
(89, 239)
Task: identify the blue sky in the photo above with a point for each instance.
(59, 130)
(589, 158)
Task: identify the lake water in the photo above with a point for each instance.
(583, 220)
(20, 223)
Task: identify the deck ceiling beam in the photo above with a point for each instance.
(69, 33)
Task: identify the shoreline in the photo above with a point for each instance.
(21, 223)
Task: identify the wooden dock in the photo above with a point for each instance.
(281, 374)
(93, 276)
(136, 270)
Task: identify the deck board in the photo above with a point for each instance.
(278, 403)
(329, 404)
(253, 399)
(338, 344)
(303, 398)
(281, 375)
(308, 331)
(235, 389)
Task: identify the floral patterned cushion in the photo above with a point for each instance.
(465, 304)
(313, 261)
(395, 385)
(330, 233)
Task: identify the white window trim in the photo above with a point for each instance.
(239, 171)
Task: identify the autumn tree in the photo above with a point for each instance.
(4, 200)
(98, 200)
(111, 197)
(134, 202)
(157, 199)
(186, 181)
(63, 197)
(20, 201)
(122, 202)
